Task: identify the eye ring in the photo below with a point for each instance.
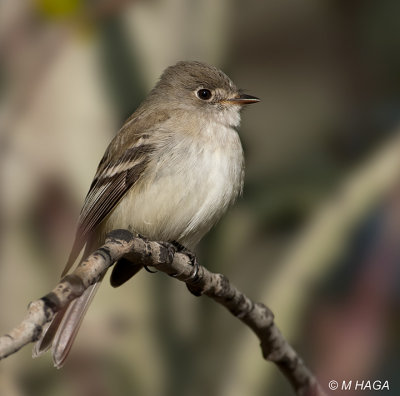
(204, 94)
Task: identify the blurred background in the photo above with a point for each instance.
(315, 236)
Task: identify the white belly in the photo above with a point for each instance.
(185, 194)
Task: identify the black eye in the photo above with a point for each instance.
(204, 94)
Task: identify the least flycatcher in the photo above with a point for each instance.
(169, 174)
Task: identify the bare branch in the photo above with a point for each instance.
(165, 257)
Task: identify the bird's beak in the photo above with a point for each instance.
(243, 99)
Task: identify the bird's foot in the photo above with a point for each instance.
(192, 257)
(194, 276)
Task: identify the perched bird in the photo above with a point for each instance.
(169, 174)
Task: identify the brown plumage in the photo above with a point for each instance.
(169, 174)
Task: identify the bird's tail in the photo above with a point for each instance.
(63, 329)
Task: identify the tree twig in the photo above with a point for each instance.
(165, 257)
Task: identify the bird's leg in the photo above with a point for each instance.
(178, 246)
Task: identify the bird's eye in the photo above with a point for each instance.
(204, 94)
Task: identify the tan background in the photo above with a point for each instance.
(315, 236)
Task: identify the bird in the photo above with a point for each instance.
(169, 174)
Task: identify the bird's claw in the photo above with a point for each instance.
(149, 270)
(193, 260)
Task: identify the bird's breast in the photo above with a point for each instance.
(185, 189)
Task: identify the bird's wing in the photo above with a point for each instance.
(112, 181)
(115, 175)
